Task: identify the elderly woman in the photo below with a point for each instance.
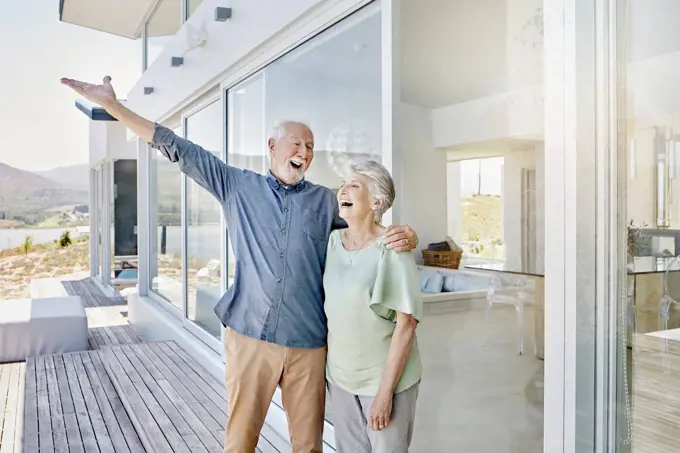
(373, 306)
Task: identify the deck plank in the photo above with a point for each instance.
(190, 412)
(115, 434)
(30, 408)
(45, 438)
(73, 437)
(5, 371)
(11, 391)
(152, 435)
(84, 423)
(56, 414)
(129, 433)
(174, 433)
(94, 411)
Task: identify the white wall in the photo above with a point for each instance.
(512, 114)
(108, 141)
(423, 187)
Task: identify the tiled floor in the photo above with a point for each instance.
(476, 397)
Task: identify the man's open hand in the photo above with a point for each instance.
(100, 94)
(401, 238)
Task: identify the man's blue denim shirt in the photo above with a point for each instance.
(279, 236)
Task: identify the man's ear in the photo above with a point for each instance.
(271, 144)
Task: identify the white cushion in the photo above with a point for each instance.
(32, 327)
(46, 287)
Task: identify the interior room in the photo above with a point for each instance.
(464, 106)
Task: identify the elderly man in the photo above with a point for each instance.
(279, 226)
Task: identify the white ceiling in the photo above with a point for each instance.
(459, 50)
(120, 17)
(453, 51)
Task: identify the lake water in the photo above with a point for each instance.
(10, 237)
(203, 240)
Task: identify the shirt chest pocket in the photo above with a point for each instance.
(314, 226)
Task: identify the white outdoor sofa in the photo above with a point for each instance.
(458, 289)
(33, 327)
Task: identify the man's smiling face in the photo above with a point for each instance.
(292, 153)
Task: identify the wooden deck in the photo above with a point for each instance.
(106, 316)
(11, 419)
(71, 406)
(175, 404)
(122, 396)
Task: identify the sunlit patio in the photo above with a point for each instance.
(122, 395)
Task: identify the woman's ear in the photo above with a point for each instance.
(376, 204)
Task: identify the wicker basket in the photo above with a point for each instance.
(447, 259)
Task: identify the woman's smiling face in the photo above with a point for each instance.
(354, 198)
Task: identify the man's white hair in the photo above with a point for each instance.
(279, 129)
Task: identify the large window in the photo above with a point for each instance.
(471, 78)
(166, 227)
(648, 208)
(333, 83)
(192, 5)
(204, 233)
(161, 27)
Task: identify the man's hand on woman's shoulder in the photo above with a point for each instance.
(401, 238)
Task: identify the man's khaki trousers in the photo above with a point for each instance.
(254, 369)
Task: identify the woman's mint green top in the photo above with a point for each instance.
(362, 299)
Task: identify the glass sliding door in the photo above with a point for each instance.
(471, 138)
(165, 194)
(332, 83)
(647, 359)
(204, 230)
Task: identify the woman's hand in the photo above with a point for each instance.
(381, 410)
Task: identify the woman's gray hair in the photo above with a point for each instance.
(380, 183)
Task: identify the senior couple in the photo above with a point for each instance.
(324, 296)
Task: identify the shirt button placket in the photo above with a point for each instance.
(279, 280)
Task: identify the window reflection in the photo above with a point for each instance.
(649, 214)
(166, 247)
(204, 234)
(161, 27)
(471, 136)
(191, 6)
(332, 83)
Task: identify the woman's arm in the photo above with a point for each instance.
(399, 352)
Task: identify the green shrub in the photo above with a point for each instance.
(65, 239)
(26, 246)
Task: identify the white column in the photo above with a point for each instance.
(424, 179)
(107, 197)
(93, 223)
(454, 206)
(144, 235)
(391, 96)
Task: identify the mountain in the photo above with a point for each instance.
(76, 176)
(26, 196)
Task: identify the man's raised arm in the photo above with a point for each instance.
(200, 165)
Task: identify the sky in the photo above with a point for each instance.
(41, 127)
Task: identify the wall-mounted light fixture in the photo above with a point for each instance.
(176, 62)
(148, 90)
(222, 14)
